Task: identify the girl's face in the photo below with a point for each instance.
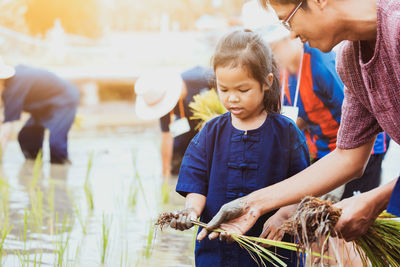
(241, 94)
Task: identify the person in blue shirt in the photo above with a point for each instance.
(51, 102)
(249, 147)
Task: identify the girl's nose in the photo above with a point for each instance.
(233, 98)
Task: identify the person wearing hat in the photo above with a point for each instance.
(167, 98)
(51, 102)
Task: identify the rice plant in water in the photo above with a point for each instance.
(62, 240)
(87, 186)
(106, 225)
(206, 106)
(37, 170)
(165, 191)
(150, 237)
(4, 231)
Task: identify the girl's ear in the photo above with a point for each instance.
(270, 80)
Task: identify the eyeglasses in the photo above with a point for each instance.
(285, 22)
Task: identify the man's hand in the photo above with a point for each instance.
(359, 212)
(236, 216)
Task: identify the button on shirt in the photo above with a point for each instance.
(224, 163)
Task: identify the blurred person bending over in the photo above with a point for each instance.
(51, 102)
(166, 96)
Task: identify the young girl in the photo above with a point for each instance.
(250, 147)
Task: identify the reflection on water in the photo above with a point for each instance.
(47, 209)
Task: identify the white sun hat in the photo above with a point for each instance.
(273, 33)
(6, 71)
(157, 93)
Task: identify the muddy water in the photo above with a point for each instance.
(54, 215)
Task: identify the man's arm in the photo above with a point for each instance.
(333, 170)
(167, 146)
(5, 133)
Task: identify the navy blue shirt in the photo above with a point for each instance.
(223, 163)
(38, 92)
(394, 203)
(196, 80)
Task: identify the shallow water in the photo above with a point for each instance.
(60, 189)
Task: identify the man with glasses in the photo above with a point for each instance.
(368, 64)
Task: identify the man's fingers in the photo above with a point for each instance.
(203, 233)
(265, 231)
(213, 235)
(217, 220)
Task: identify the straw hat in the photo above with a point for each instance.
(157, 94)
(5, 70)
(274, 33)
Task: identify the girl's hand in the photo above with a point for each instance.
(272, 229)
(183, 218)
(272, 226)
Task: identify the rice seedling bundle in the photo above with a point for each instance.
(206, 106)
(315, 220)
(251, 244)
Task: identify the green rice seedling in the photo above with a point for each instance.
(251, 244)
(133, 196)
(106, 225)
(37, 170)
(4, 193)
(125, 256)
(138, 180)
(150, 237)
(37, 207)
(87, 185)
(62, 240)
(165, 192)
(37, 262)
(380, 246)
(80, 219)
(4, 231)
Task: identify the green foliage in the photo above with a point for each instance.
(380, 246)
(105, 238)
(87, 185)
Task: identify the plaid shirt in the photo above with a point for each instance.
(372, 89)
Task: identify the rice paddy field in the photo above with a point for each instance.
(100, 210)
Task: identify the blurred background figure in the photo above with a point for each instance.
(311, 83)
(167, 96)
(51, 102)
(254, 17)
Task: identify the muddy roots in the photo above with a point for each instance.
(313, 221)
(164, 219)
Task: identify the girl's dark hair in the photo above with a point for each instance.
(246, 49)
